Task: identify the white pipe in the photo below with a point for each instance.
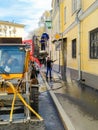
(79, 50)
(79, 45)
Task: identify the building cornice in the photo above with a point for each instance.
(11, 23)
(92, 8)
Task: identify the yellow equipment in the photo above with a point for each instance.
(18, 96)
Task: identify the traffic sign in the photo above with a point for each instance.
(57, 36)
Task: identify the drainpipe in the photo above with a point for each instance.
(79, 51)
(79, 45)
(59, 33)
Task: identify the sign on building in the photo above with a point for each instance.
(48, 24)
(57, 36)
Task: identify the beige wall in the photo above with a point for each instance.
(88, 24)
(86, 4)
(81, 66)
(71, 62)
(70, 17)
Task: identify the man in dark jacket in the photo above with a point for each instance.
(49, 67)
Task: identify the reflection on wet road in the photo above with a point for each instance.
(49, 113)
(48, 110)
(83, 96)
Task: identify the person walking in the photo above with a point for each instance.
(49, 67)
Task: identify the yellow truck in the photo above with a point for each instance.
(18, 95)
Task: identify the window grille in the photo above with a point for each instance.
(94, 44)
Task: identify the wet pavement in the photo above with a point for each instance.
(47, 109)
(83, 96)
(49, 113)
(79, 102)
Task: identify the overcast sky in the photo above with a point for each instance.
(25, 12)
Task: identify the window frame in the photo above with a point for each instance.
(93, 44)
(74, 51)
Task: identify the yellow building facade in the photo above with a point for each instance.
(79, 47)
(55, 48)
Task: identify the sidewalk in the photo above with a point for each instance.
(71, 113)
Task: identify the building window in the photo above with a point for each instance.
(74, 48)
(74, 5)
(65, 15)
(94, 44)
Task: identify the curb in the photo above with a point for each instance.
(64, 117)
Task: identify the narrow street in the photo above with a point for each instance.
(49, 65)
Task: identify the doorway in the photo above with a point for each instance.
(64, 54)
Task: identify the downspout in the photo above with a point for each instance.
(79, 44)
(58, 41)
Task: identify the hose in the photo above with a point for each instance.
(16, 93)
(11, 113)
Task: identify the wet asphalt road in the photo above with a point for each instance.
(79, 101)
(48, 111)
(83, 96)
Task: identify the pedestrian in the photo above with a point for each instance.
(49, 67)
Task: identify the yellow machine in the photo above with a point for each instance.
(18, 96)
